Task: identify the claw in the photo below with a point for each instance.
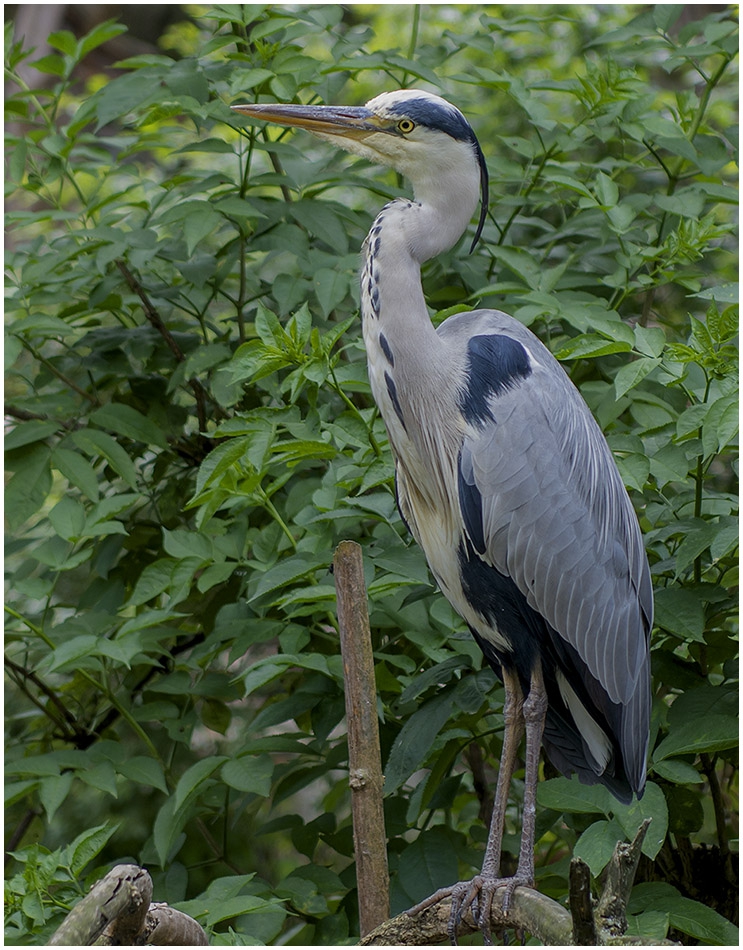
(475, 896)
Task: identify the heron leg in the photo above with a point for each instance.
(513, 720)
(535, 712)
(478, 893)
(520, 715)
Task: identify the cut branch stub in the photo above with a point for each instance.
(364, 756)
(117, 912)
(611, 912)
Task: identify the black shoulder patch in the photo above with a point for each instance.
(496, 363)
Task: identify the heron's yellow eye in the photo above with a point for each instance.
(405, 126)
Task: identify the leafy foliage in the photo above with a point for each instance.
(191, 433)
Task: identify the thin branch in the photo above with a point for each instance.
(20, 831)
(56, 372)
(476, 762)
(155, 319)
(708, 767)
(20, 675)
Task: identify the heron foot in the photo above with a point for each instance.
(475, 896)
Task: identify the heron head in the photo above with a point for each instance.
(421, 135)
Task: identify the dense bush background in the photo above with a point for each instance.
(191, 433)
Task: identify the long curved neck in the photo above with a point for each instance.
(410, 367)
(405, 234)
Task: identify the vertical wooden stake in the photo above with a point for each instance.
(364, 758)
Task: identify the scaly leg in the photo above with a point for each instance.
(535, 712)
(519, 714)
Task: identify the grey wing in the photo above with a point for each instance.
(543, 502)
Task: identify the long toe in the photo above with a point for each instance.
(477, 897)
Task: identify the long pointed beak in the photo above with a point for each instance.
(354, 121)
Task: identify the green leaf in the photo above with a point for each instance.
(652, 805)
(166, 830)
(153, 580)
(322, 219)
(429, 863)
(633, 373)
(192, 780)
(145, 771)
(126, 421)
(52, 65)
(96, 443)
(64, 41)
(696, 541)
(100, 34)
(720, 424)
(331, 287)
(678, 772)
(67, 518)
(711, 733)
(634, 469)
(71, 653)
(414, 741)
(89, 845)
(215, 715)
(726, 540)
(681, 612)
(237, 907)
(28, 432)
(186, 544)
(607, 191)
(669, 464)
(721, 293)
(27, 490)
(597, 843)
(196, 219)
(285, 572)
(53, 791)
(269, 668)
(77, 470)
(249, 773)
(650, 341)
(652, 926)
(688, 916)
(590, 345)
(562, 794)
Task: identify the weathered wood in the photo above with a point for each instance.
(611, 912)
(123, 894)
(117, 913)
(581, 905)
(530, 911)
(167, 927)
(537, 914)
(364, 758)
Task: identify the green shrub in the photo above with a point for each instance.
(192, 433)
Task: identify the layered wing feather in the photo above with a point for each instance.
(543, 502)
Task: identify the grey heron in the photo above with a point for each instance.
(504, 479)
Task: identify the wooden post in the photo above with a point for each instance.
(364, 758)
